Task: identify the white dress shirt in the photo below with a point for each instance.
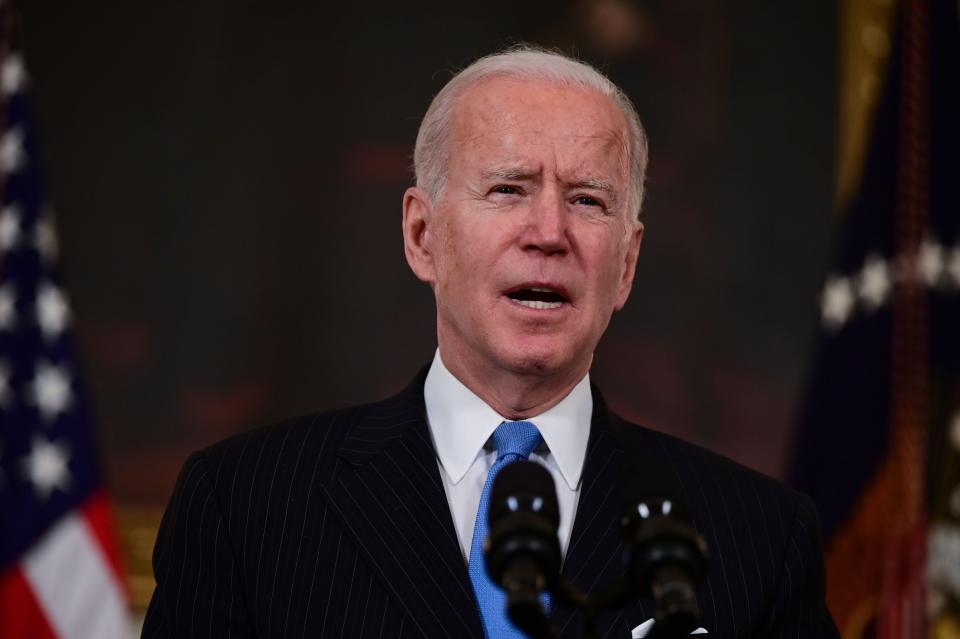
(461, 425)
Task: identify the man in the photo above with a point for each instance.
(361, 522)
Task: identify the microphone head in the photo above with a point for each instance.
(524, 486)
(651, 489)
(522, 549)
(665, 556)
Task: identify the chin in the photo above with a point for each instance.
(539, 359)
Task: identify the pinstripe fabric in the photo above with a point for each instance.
(337, 525)
(765, 577)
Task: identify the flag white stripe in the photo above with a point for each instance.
(74, 585)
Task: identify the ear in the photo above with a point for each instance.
(629, 265)
(417, 233)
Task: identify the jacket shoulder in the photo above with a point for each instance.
(717, 488)
(314, 439)
(765, 567)
(243, 515)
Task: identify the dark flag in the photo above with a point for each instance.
(878, 446)
(59, 568)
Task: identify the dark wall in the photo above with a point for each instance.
(228, 175)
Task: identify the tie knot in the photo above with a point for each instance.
(515, 438)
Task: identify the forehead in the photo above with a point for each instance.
(512, 119)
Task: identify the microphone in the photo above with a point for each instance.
(523, 549)
(666, 557)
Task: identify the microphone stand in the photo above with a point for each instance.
(664, 558)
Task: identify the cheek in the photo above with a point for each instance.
(472, 250)
(458, 264)
(447, 241)
(607, 267)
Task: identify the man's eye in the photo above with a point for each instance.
(586, 200)
(505, 189)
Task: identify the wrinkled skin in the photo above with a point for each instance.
(536, 197)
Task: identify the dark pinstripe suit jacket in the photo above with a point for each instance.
(337, 525)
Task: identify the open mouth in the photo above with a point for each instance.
(538, 298)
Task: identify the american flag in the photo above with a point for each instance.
(59, 563)
(879, 441)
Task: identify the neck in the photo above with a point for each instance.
(514, 393)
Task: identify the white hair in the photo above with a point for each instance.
(431, 154)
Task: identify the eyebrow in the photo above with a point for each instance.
(509, 173)
(522, 173)
(594, 183)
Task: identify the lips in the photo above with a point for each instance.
(539, 296)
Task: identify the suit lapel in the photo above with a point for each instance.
(594, 557)
(388, 492)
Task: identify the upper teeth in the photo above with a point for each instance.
(539, 304)
(542, 290)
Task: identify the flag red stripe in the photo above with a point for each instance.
(99, 518)
(20, 615)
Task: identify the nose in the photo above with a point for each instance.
(547, 225)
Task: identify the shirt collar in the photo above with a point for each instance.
(461, 423)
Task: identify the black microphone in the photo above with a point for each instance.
(666, 557)
(523, 549)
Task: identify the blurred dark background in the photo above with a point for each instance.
(227, 178)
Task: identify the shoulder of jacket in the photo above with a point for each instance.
(706, 465)
(310, 435)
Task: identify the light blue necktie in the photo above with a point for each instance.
(514, 441)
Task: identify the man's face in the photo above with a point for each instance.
(531, 247)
